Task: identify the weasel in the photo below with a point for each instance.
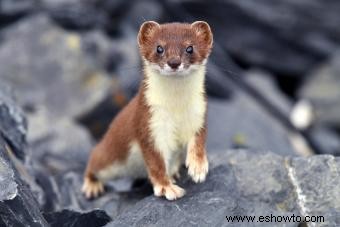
(166, 117)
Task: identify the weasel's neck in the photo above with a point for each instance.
(167, 91)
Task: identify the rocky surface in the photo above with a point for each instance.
(21, 197)
(47, 65)
(13, 125)
(326, 140)
(282, 37)
(58, 162)
(67, 218)
(257, 39)
(18, 206)
(322, 90)
(317, 181)
(244, 182)
(225, 130)
(256, 126)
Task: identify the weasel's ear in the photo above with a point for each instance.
(203, 31)
(146, 31)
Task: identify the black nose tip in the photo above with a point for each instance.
(174, 63)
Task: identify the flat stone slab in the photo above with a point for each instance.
(248, 183)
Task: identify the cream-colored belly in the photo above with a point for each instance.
(173, 127)
(172, 130)
(132, 167)
(178, 110)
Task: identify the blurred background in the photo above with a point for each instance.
(273, 79)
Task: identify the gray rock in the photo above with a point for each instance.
(57, 160)
(245, 182)
(18, 207)
(229, 190)
(322, 90)
(305, 19)
(76, 14)
(127, 75)
(141, 11)
(10, 8)
(8, 187)
(253, 42)
(63, 148)
(66, 218)
(52, 153)
(106, 53)
(317, 185)
(58, 70)
(241, 122)
(55, 152)
(266, 85)
(327, 140)
(13, 126)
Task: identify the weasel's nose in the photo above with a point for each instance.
(174, 63)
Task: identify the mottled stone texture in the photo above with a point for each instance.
(246, 182)
(13, 126)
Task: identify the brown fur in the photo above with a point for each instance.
(132, 122)
(174, 38)
(153, 160)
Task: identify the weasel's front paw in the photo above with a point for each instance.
(197, 167)
(171, 191)
(92, 189)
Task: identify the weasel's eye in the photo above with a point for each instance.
(160, 49)
(189, 50)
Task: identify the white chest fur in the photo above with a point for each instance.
(178, 108)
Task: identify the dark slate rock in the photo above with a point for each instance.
(251, 41)
(245, 182)
(307, 20)
(60, 69)
(326, 140)
(57, 160)
(13, 126)
(285, 37)
(122, 61)
(317, 184)
(18, 207)
(63, 148)
(141, 11)
(68, 218)
(265, 84)
(8, 186)
(105, 52)
(241, 122)
(231, 188)
(99, 118)
(17, 7)
(55, 152)
(77, 14)
(322, 90)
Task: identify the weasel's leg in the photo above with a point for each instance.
(92, 185)
(176, 164)
(156, 167)
(196, 160)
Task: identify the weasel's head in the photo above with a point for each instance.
(175, 49)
